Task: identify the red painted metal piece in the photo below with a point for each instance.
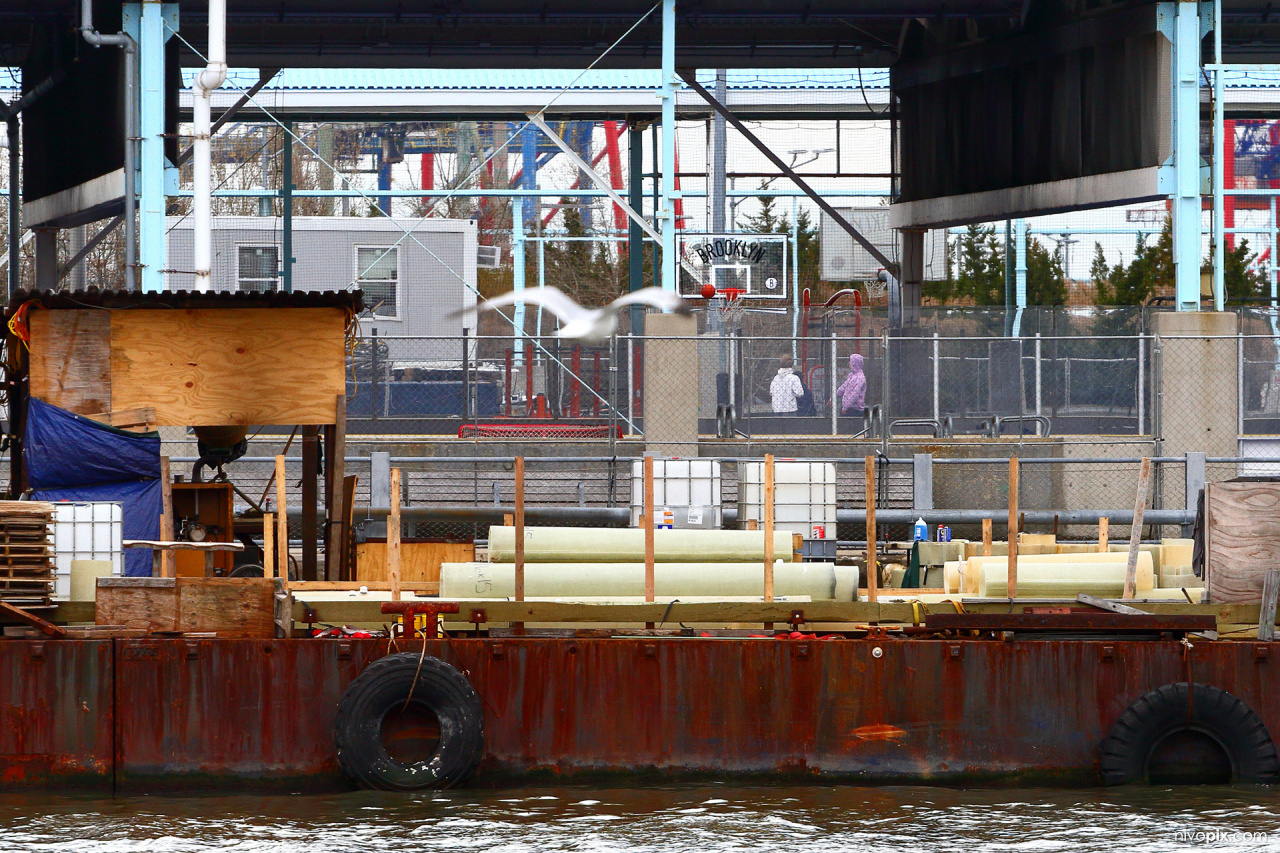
(575, 385)
(216, 714)
(410, 610)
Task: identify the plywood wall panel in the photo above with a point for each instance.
(1242, 539)
(71, 359)
(204, 367)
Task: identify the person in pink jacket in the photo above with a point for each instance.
(853, 391)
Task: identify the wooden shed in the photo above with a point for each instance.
(192, 360)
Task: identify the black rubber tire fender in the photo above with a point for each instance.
(382, 688)
(1182, 706)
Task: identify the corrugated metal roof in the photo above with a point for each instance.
(542, 78)
(95, 298)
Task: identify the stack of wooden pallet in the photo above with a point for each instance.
(26, 552)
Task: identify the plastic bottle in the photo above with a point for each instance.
(921, 531)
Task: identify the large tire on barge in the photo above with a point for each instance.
(1151, 727)
(390, 687)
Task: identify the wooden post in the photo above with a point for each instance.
(310, 519)
(282, 523)
(337, 563)
(168, 568)
(768, 527)
(269, 545)
(1104, 525)
(986, 537)
(648, 529)
(1135, 532)
(519, 520)
(1013, 527)
(1267, 615)
(346, 541)
(872, 571)
(393, 538)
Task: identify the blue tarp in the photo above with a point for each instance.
(65, 449)
(71, 458)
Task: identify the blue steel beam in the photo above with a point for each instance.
(1186, 35)
(667, 206)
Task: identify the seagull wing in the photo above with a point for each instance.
(664, 300)
(548, 297)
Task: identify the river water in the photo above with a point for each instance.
(662, 819)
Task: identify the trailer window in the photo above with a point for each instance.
(377, 269)
(258, 269)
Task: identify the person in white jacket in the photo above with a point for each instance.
(785, 389)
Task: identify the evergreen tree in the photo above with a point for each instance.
(1046, 283)
(1100, 275)
(980, 276)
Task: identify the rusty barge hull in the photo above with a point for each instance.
(140, 716)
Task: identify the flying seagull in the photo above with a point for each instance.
(588, 324)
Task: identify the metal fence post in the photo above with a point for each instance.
(1239, 386)
(631, 384)
(884, 393)
(1039, 377)
(466, 376)
(1195, 480)
(1142, 386)
(936, 379)
(835, 404)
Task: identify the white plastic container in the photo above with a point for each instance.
(804, 497)
(92, 530)
(690, 488)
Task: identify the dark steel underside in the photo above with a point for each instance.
(572, 33)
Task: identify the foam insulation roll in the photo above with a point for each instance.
(1063, 579)
(1174, 594)
(1184, 578)
(974, 549)
(588, 545)
(1156, 552)
(1177, 552)
(972, 569)
(819, 581)
(951, 577)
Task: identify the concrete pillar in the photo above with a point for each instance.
(46, 258)
(912, 278)
(671, 385)
(1196, 390)
(922, 482)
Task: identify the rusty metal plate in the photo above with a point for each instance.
(55, 714)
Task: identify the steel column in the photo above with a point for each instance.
(286, 206)
(157, 23)
(1186, 154)
(1218, 129)
(666, 212)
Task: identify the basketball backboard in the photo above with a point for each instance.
(758, 265)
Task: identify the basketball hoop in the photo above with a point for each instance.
(876, 289)
(731, 304)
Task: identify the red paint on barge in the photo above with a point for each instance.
(162, 715)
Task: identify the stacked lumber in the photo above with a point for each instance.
(26, 552)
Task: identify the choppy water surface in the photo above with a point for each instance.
(673, 819)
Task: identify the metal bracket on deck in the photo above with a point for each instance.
(410, 610)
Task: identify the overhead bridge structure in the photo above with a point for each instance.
(1002, 108)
